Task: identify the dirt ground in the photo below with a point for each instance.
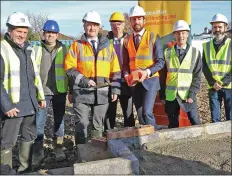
(209, 156)
(70, 149)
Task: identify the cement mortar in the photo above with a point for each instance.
(202, 156)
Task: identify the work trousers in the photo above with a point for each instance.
(127, 110)
(172, 108)
(84, 111)
(12, 127)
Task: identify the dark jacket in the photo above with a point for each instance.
(28, 103)
(151, 83)
(207, 73)
(125, 89)
(195, 85)
(89, 95)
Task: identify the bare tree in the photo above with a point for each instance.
(3, 31)
(128, 27)
(37, 22)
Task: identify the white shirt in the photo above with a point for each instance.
(184, 47)
(96, 43)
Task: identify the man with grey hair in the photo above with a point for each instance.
(21, 90)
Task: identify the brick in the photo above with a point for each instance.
(99, 142)
(130, 132)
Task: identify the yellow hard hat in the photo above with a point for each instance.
(117, 16)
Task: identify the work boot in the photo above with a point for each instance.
(37, 154)
(81, 137)
(6, 157)
(96, 133)
(25, 150)
(58, 149)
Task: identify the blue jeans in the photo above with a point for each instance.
(215, 102)
(58, 105)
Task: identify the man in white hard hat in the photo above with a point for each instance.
(116, 36)
(21, 91)
(217, 68)
(181, 77)
(94, 73)
(144, 54)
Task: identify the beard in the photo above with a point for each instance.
(137, 28)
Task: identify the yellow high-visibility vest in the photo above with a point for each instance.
(179, 76)
(219, 64)
(61, 77)
(11, 80)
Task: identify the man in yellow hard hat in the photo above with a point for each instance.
(94, 73)
(21, 90)
(116, 36)
(217, 68)
(181, 77)
(144, 54)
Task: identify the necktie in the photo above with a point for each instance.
(93, 45)
(181, 51)
(137, 41)
(117, 48)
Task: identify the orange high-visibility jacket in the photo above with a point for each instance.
(142, 58)
(102, 68)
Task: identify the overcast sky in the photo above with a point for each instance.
(69, 14)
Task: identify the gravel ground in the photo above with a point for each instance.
(209, 156)
(70, 149)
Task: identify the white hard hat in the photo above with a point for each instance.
(92, 16)
(181, 25)
(219, 18)
(18, 19)
(136, 11)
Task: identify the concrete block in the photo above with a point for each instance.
(182, 133)
(119, 149)
(114, 166)
(130, 132)
(137, 142)
(99, 142)
(62, 171)
(88, 152)
(217, 128)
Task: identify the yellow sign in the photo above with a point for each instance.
(161, 15)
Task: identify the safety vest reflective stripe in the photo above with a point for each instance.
(179, 76)
(219, 64)
(105, 65)
(143, 57)
(11, 80)
(61, 78)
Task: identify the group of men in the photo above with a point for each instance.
(95, 71)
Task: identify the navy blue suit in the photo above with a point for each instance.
(144, 94)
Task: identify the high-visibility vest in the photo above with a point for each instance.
(104, 66)
(11, 80)
(61, 77)
(219, 64)
(143, 57)
(179, 76)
